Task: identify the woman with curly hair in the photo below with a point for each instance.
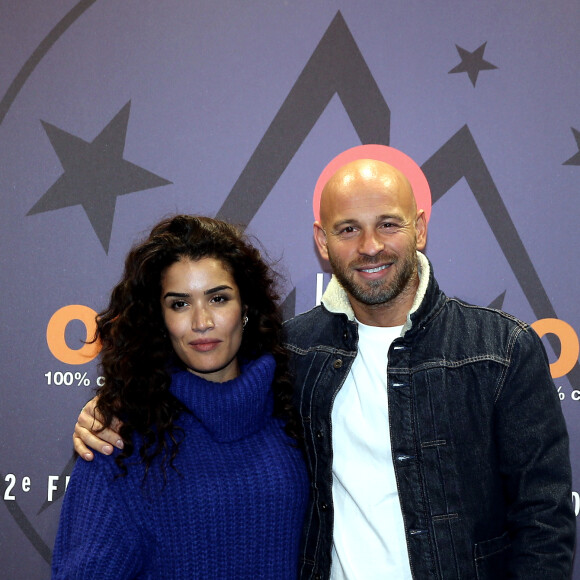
(210, 482)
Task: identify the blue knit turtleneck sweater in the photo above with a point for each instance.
(235, 509)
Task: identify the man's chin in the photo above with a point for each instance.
(370, 296)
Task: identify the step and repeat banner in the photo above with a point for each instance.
(116, 113)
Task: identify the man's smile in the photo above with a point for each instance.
(373, 270)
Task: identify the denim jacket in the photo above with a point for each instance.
(479, 442)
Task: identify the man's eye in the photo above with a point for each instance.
(348, 230)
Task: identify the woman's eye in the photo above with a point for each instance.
(219, 299)
(178, 304)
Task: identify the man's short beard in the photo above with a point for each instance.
(375, 292)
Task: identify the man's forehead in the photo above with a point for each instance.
(381, 153)
(365, 206)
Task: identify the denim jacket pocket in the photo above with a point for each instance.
(492, 557)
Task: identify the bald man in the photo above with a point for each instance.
(433, 432)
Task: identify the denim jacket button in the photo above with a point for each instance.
(319, 434)
(323, 507)
(337, 363)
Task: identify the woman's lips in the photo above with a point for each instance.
(204, 345)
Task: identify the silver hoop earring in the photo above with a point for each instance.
(244, 322)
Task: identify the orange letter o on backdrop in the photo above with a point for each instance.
(569, 345)
(55, 334)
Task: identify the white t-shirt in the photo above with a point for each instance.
(369, 535)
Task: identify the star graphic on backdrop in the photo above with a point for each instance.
(95, 174)
(498, 302)
(472, 63)
(575, 159)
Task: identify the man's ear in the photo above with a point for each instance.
(421, 229)
(320, 239)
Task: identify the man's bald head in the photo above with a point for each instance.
(366, 175)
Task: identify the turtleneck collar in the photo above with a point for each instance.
(232, 410)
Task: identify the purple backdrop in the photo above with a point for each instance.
(114, 114)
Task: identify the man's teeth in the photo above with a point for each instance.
(373, 270)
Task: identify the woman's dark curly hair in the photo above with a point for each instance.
(137, 356)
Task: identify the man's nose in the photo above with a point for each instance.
(370, 243)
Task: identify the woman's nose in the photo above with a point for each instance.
(201, 319)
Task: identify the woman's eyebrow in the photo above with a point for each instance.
(176, 295)
(218, 289)
(206, 292)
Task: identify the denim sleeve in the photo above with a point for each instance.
(532, 443)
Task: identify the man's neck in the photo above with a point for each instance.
(391, 313)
